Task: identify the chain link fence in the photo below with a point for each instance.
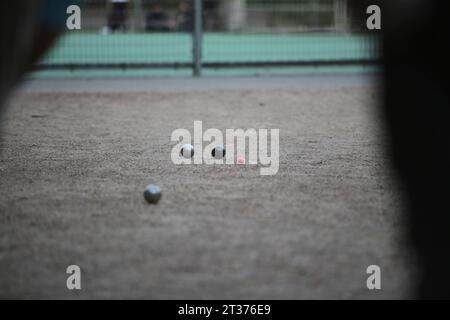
(213, 34)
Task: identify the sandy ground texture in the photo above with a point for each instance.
(74, 165)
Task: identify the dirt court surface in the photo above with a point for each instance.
(74, 165)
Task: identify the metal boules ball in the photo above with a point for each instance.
(187, 151)
(152, 193)
(218, 152)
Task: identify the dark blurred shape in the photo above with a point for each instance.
(417, 109)
(156, 19)
(27, 29)
(184, 18)
(117, 20)
(17, 23)
(416, 105)
(211, 19)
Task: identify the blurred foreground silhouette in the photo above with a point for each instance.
(417, 110)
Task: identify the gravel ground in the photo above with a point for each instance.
(74, 166)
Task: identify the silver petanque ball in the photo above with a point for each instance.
(218, 152)
(152, 193)
(187, 151)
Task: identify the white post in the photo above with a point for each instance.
(233, 14)
(341, 15)
(138, 12)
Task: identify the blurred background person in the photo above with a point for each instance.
(157, 19)
(117, 20)
(184, 17)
